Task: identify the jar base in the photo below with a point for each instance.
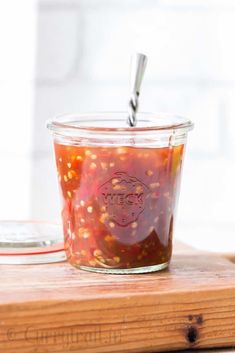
(126, 271)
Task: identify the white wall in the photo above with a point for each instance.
(17, 72)
(82, 64)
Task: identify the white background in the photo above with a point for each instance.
(64, 56)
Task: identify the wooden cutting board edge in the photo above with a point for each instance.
(174, 322)
(150, 322)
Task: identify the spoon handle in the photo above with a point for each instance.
(138, 65)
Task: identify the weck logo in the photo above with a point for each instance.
(124, 198)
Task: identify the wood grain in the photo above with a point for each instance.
(57, 308)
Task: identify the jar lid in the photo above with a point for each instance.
(30, 242)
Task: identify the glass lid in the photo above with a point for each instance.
(30, 242)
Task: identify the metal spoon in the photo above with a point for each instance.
(138, 65)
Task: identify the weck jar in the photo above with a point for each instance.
(119, 188)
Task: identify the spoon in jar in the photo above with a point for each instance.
(138, 65)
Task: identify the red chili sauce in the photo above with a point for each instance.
(118, 204)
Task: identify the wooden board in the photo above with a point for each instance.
(57, 308)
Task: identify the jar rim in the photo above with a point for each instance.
(90, 122)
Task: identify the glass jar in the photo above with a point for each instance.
(119, 188)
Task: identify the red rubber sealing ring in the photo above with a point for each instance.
(32, 251)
